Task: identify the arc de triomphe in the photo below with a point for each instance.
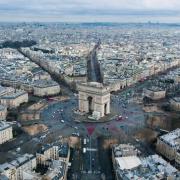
(94, 97)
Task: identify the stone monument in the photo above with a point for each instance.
(94, 98)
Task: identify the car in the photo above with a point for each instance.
(119, 118)
(76, 134)
(62, 121)
(18, 149)
(75, 127)
(77, 121)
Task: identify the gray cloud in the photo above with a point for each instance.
(90, 10)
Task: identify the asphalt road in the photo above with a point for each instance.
(93, 66)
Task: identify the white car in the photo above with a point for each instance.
(62, 121)
(76, 134)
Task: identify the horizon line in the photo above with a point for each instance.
(91, 22)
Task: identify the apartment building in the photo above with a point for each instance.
(3, 112)
(175, 103)
(129, 164)
(169, 144)
(15, 169)
(14, 99)
(46, 153)
(154, 93)
(5, 132)
(45, 88)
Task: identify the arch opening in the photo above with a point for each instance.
(90, 108)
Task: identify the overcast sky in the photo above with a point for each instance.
(90, 10)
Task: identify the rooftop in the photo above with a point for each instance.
(95, 84)
(177, 99)
(155, 88)
(5, 166)
(2, 89)
(14, 94)
(17, 162)
(44, 148)
(2, 108)
(151, 167)
(94, 87)
(124, 150)
(62, 148)
(45, 83)
(172, 138)
(4, 125)
(22, 160)
(128, 162)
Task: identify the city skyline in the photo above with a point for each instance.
(163, 11)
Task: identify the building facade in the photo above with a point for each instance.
(5, 132)
(14, 99)
(3, 112)
(177, 159)
(15, 169)
(169, 144)
(47, 153)
(175, 103)
(154, 93)
(46, 88)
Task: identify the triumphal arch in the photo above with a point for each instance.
(94, 97)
